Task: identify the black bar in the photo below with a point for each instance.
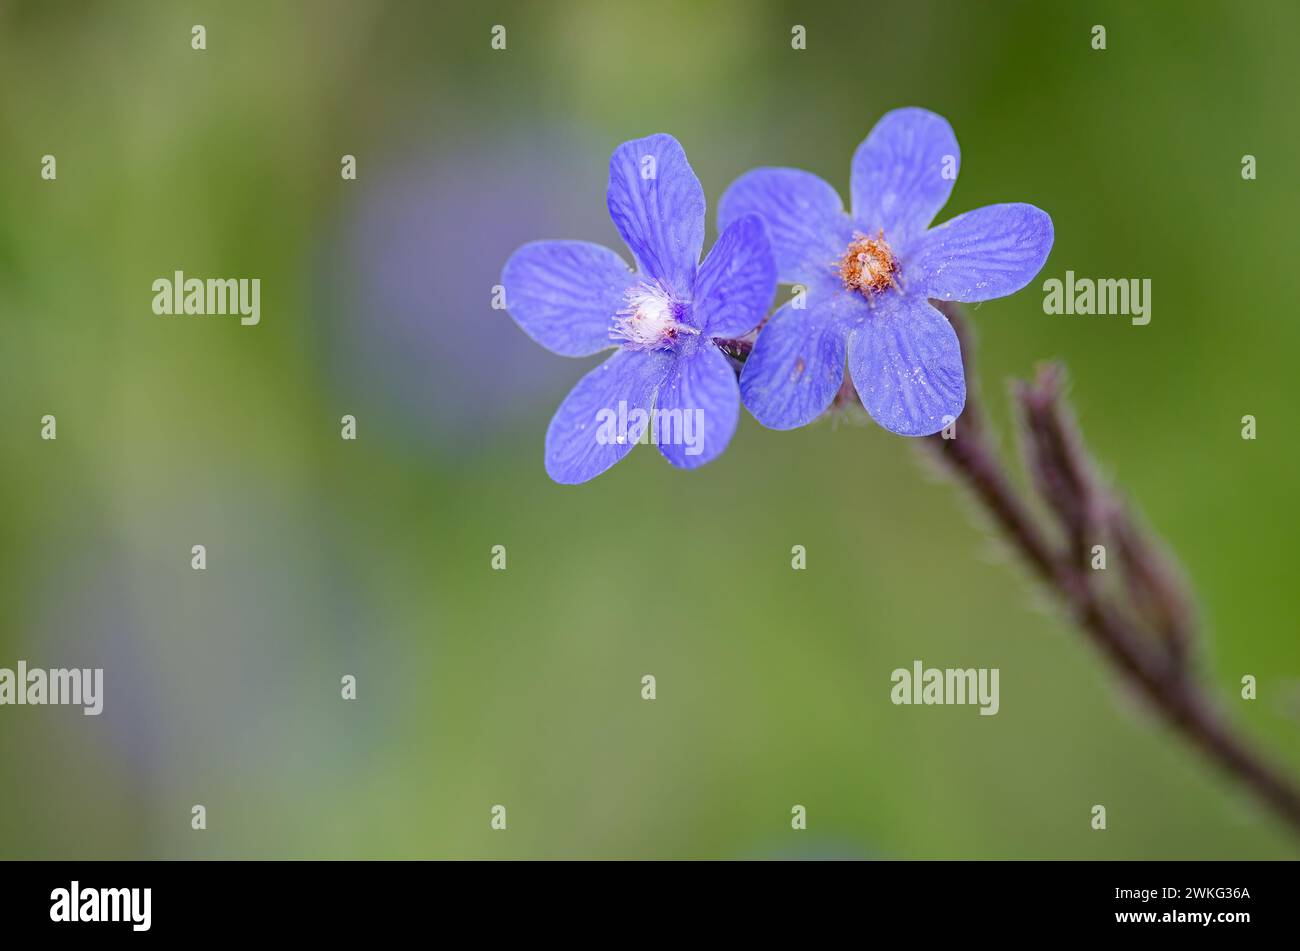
(335, 900)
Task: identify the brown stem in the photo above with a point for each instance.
(1149, 656)
(738, 349)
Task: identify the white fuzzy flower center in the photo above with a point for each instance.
(650, 319)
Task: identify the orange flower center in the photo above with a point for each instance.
(868, 266)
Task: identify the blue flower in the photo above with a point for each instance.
(576, 298)
(870, 275)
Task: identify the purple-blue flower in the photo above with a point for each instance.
(870, 275)
(667, 379)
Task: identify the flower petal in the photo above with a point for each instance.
(564, 294)
(583, 440)
(697, 408)
(906, 365)
(797, 364)
(805, 218)
(657, 205)
(737, 281)
(986, 253)
(903, 173)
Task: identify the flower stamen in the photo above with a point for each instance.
(651, 320)
(868, 265)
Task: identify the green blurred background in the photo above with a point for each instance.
(522, 687)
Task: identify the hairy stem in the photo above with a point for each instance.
(1143, 630)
